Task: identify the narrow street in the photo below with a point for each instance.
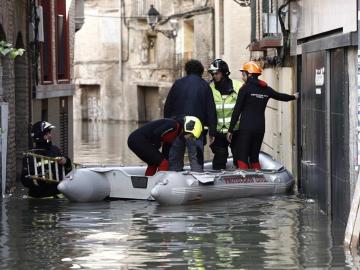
(102, 101)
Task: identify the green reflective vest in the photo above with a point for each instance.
(225, 106)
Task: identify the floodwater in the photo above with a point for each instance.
(277, 232)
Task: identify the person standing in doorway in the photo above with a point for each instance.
(191, 95)
(250, 108)
(225, 92)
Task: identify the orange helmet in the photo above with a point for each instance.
(252, 68)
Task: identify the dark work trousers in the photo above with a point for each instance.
(144, 149)
(195, 150)
(220, 149)
(248, 144)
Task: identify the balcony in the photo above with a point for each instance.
(140, 8)
(270, 42)
(79, 14)
(255, 46)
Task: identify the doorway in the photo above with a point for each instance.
(148, 103)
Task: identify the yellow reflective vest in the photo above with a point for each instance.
(225, 106)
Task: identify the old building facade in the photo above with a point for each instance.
(126, 70)
(315, 55)
(53, 83)
(325, 52)
(232, 33)
(38, 85)
(14, 87)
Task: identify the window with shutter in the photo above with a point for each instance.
(64, 125)
(253, 20)
(62, 41)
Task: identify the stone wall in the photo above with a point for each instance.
(127, 57)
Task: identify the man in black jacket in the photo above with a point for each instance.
(250, 109)
(191, 95)
(41, 135)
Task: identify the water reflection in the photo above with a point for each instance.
(255, 233)
(100, 142)
(97, 142)
(281, 232)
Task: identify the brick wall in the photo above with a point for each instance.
(15, 80)
(8, 83)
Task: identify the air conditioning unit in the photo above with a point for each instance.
(271, 25)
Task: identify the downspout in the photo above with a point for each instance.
(213, 34)
(34, 56)
(358, 84)
(120, 42)
(283, 52)
(30, 112)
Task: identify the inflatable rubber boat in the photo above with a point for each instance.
(87, 184)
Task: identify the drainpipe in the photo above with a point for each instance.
(358, 83)
(120, 41)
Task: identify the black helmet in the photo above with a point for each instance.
(219, 65)
(39, 129)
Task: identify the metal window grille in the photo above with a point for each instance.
(140, 8)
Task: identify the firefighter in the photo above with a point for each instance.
(225, 92)
(251, 104)
(42, 140)
(146, 141)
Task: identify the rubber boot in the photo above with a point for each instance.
(256, 165)
(220, 158)
(242, 165)
(164, 165)
(150, 170)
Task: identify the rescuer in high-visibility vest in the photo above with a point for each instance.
(225, 92)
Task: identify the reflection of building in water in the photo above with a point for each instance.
(250, 233)
(127, 66)
(282, 222)
(103, 142)
(90, 107)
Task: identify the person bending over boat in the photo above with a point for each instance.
(250, 107)
(146, 141)
(42, 141)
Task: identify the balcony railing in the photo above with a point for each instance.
(140, 8)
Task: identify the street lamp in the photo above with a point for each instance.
(153, 19)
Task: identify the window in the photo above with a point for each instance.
(221, 28)
(62, 41)
(46, 46)
(253, 20)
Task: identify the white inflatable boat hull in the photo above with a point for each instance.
(187, 188)
(97, 183)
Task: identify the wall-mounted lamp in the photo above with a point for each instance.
(153, 19)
